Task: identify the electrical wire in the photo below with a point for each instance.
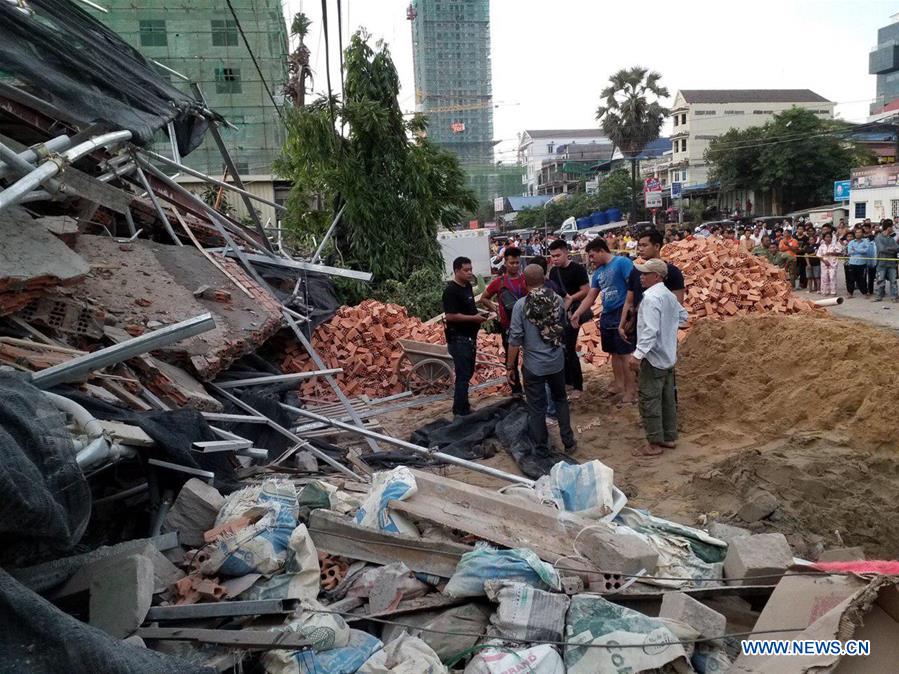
(328, 60)
(340, 47)
(255, 62)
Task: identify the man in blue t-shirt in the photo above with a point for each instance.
(610, 278)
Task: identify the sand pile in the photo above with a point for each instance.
(772, 375)
(820, 488)
(722, 281)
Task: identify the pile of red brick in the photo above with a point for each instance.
(363, 340)
(723, 281)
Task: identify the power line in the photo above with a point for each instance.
(791, 139)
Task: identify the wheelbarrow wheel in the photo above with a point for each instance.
(429, 377)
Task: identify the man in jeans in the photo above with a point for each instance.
(659, 316)
(462, 322)
(538, 327)
(886, 268)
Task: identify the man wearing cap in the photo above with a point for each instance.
(658, 318)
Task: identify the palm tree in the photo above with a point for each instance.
(298, 62)
(631, 115)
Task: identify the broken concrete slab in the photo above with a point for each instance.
(515, 522)
(194, 512)
(339, 535)
(842, 555)
(683, 608)
(121, 596)
(759, 506)
(727, 532)
(762, 556)
(155, 282)
(32, 261)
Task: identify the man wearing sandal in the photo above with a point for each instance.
(658, 318)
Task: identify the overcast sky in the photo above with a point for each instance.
(551, 59)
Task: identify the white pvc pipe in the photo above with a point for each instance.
(55, 164)
(92, 427)
(829, 302)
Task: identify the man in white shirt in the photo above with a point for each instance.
(658, 318)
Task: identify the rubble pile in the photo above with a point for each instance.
(364, 341)
(722, 281)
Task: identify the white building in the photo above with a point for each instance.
(700, 115)
(536, 146)
(874, 193)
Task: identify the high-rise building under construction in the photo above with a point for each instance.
(453, 87)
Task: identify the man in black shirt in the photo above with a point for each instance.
(462, 322)
(572, 278)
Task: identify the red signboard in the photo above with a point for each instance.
(457, 127)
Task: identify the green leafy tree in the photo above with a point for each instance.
(398, 187)
(796, 156)
(631, 115)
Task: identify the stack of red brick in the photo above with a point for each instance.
(723, 281)
(363, 340)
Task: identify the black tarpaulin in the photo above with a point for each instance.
(70, 59)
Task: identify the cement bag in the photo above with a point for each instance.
(342, 660)
(394, 485)
(325, 631)
(541, 659)
(404, 655)
(593, 620)
(302, 576)
(486, 563)
(260, 547)
(585, 489)
(525, 613)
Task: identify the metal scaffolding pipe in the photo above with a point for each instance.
(446, 458)
(211, 180)
(318, 251)
(55, 164)
(31, 155)
(278, 428)
(23, 168)
(277, 378)
(77, 368)
(157, 205)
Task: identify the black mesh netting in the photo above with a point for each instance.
(70, 59)
(45, 502)
(38, 638)
(173, 433)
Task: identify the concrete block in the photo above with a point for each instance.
(760, 504)
(756, 556)
(164, 572)
(121, 596)
(727, 532)
(682, 607)
(306, 461)
(614, 552)
(194, 512)
(842, 555)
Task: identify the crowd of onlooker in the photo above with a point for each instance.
(811, 254)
